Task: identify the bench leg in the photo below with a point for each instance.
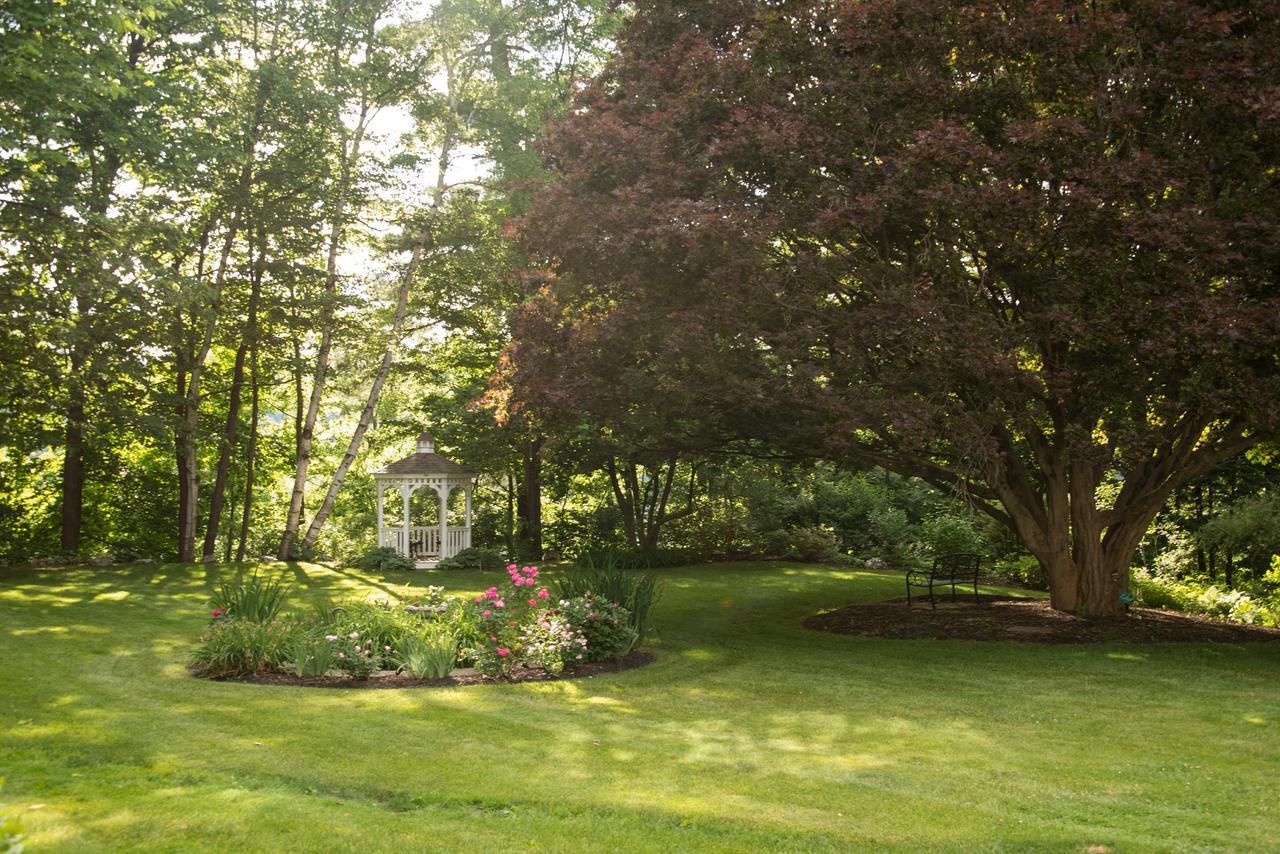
(953, 591)
(932, 604)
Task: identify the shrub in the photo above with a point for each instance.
(1236, 605)
(637, 594)
(552, 643)
(257, 600)
(500, 616)
(357, 656)
(429, 652)
(812, 543)
(1024, 570)
(947, 534)
(429, 602)
(235, 647)
(384, 559)
(473, 558)
(606, 625)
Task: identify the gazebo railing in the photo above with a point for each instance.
(424, 541)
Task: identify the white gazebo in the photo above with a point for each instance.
(424, 545)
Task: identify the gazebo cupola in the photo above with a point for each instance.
(426, 545)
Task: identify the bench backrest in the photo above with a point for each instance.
(961, 565)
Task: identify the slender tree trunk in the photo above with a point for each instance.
(73, 477)
(251, 452)
(393, 342)
(370, 404)
(337, 228)
(511, 515)
(231, 428)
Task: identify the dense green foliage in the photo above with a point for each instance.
(1023, 252)
(819, 742)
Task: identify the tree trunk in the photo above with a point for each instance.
(511, 515)
(229, 432)
(73, 477)
(529, 501)
(337, 228)
(251, 451)
(371, 401)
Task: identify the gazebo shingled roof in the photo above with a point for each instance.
(425, 464)
(426, 461)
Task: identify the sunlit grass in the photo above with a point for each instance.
(748, 733)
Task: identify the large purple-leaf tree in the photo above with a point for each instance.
(1025, 251)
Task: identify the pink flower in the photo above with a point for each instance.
(502, 653)
(486, 613)
(543, 594)
(533, 602)
(511, 567)
(493, 638)
(478, 599)
(354, 635)
(500, 604)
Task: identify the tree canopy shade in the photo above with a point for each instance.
(1025, 251)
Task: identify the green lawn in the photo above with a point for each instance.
(750, 732)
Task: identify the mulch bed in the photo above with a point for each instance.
(1030, 620)
(635, 658)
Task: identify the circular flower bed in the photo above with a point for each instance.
(518, 631)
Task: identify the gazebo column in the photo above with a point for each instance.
(466, 536)
(382, 491)
(444, 521)
(405, 492)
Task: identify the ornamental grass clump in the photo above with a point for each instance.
(429, 652)
(314, 656)
(257, 599)
(236, 647)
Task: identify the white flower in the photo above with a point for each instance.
(354, 635)
(331, 638)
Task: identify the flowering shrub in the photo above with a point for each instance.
(605, 625)
(357, 656)
(552, 643)
(502, 614)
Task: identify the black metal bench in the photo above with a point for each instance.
(947, 570)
